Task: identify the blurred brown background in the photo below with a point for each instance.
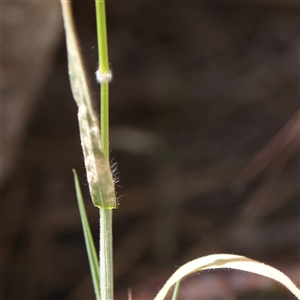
(199, 89)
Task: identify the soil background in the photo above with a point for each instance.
(199, 90)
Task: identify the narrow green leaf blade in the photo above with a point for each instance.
(217, 261)
(89, 243)
(176, 290)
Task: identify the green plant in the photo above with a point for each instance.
(96, 154)
(94, 142)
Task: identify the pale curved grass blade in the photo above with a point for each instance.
(217, 261)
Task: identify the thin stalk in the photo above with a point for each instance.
(102, 36)
(105, 255)
(104, 120)
(176, 290)
(104, 76)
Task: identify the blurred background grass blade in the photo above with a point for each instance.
(90, 246)
(231, 261)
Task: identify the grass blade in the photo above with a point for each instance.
(89, 243)
(217, 261)
(98, 170)
(176, 290)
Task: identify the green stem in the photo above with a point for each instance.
(105, 255)
(104, 76)
(104, 117)
(102, 37)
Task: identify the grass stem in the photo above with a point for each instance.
(105, 255)
(104, 76)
